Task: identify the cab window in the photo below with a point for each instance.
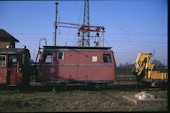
(23, 58)
(60, 55)
(12, 60)
(48, 58)
(2, 61)
(107, 58)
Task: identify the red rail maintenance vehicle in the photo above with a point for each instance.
(14, 66)
(71, 64)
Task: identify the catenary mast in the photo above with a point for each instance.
(86, 22)
(55, 24)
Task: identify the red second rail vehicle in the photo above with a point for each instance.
(71, 64)
(14, 65)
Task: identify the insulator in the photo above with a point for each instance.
(103, 28)
(78, 33)
(97, 34)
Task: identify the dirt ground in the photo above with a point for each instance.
(75, 98)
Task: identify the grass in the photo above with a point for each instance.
(71, 100)
(41, 98)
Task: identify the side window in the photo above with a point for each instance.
(12, 60)
(2, 61)
(60, 55)
(48, 58)
(23, 58)
(107, 58)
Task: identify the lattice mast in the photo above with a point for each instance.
(86, 22)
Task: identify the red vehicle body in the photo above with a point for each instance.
(70, 64)
(13, 65)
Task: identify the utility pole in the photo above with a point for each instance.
(86, 22)
(55, 24)
(153, 52)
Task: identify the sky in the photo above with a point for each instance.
(131, 26)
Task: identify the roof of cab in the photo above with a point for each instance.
(13, 50)
(75, 47)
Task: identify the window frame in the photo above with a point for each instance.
(108, 58)
(58, 56)
(13, 60)
(5, 61)
(45, 58)
(23, 58)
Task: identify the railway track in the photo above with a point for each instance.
(60, 88)
(122, 82)
(125, 78)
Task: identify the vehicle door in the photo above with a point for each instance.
(12, 70)
(3, 69)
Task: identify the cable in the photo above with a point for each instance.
(121, 28)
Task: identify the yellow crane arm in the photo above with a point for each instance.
(142, 63)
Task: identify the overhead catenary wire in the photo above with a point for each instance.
(113, 20)
(118, 41)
